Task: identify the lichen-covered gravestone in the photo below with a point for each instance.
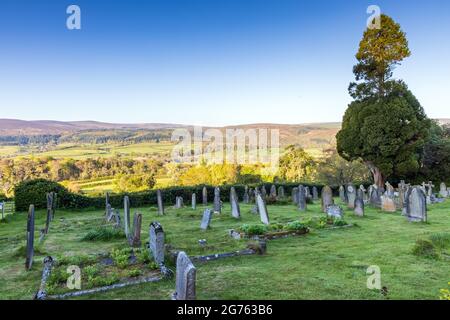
(217, 202)
(416, 210)
(235, 209)
(205, 196)
(295, 196)
(30, 239)
(315, 193)
(262, 209)
(160, 202)
(246, 198)
(281, 195)
(375, 196)
(135, 239)
(126, 215)
(179, 203)
(194, 201)
(351, 196)
(206, 219)
(342, 194)
(301, 198)
(185, 278)
(327, 198)
(156, 245)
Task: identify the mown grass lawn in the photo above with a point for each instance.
(325, 264)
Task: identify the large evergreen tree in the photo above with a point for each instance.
(385, 125)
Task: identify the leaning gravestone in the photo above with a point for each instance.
(135, 239)
(301, 198)
(235, 209)
(351, 196)
(246, 196)
(205, 196)
(160, 202)
(126, 217)
(359, 204)
(206, 219)
(443, 192)
(217, 202)
(157, 242)
(327, 198)
(416, 205)
(194, 201)
(335, 211)
(30, 239)
(262, 209)
(185, 278)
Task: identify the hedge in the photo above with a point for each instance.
(34, 192)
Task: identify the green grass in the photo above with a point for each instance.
(325, 264)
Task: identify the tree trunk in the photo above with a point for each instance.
(378, 177)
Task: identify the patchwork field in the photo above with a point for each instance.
(325, 264)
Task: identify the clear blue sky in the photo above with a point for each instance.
(206, 61)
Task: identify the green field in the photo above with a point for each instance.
(325, 264)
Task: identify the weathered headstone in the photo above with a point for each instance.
(30, 239)
(359, 204)
(295, 196)
(351, 196)
(205, 196)
(217, 202)
(246, 196)
(179, 202)
(263, 192)
(160, 202)
(301, 198)
(362, 191)
(335, 211)
(273, 193)
(387, 204)
(443, 192)
(235, 209)
(262, 209)
(194, 201)
(342, 194)
(206, 219)
(375, 196)
(126, 215)
(157, 242)
(308, 193)
(281, 194)
(327, 198)
(416, 210)
(185, 278)
(315, 193)
(135, 239)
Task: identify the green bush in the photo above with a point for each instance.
(121, 257)
(295, 226)
(103, 234)
(254, 230)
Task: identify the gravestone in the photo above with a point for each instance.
(273, 193)
(362, 191)
(390, 192)
(388, 204)
(185, 278)
(262, 209)
(159, 200)
(281, 194)
(246, 196)
(205, 196)
(416, 210)
(110, 213)
(315, 193)
(351, 196)
(335, 211)
(206, 219)
(295, 196)
(263, 192)
(359, 204)
(301, 198)
(194, 201)
(327, 198)
(342, 194)
(308, 193)
(126, 215)
(251, 194)
(30, 239)
(375, 196)
(135, 240)
(179, 202)
(443, 192)
(217, 202)
(156, 245)
(235, 209)
(117, 218)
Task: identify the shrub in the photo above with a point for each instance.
(133, 273)
(295, 226)
(100, 281)
(425, 248)
(339, 222)
(121, 257)
(254, 230)
(103, 234)
(143, 256)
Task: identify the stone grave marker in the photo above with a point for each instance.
(160, 202)
(135, 239)
(351, 196)
(295, 196)
(205, 196)
(388, 204)
(157, 242)
(206, 219)
(126, 216)
(315, 193)
(194, 201)
(342, 194)
(185, 278)
(335, 211)
(443, 192)
(217, 201)
(246, 195)
(359, 204)
(327, 198)
(416, 210)
(235, 209)
(301, 198)
(30, 239)
(281, 194)
(262, 209)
